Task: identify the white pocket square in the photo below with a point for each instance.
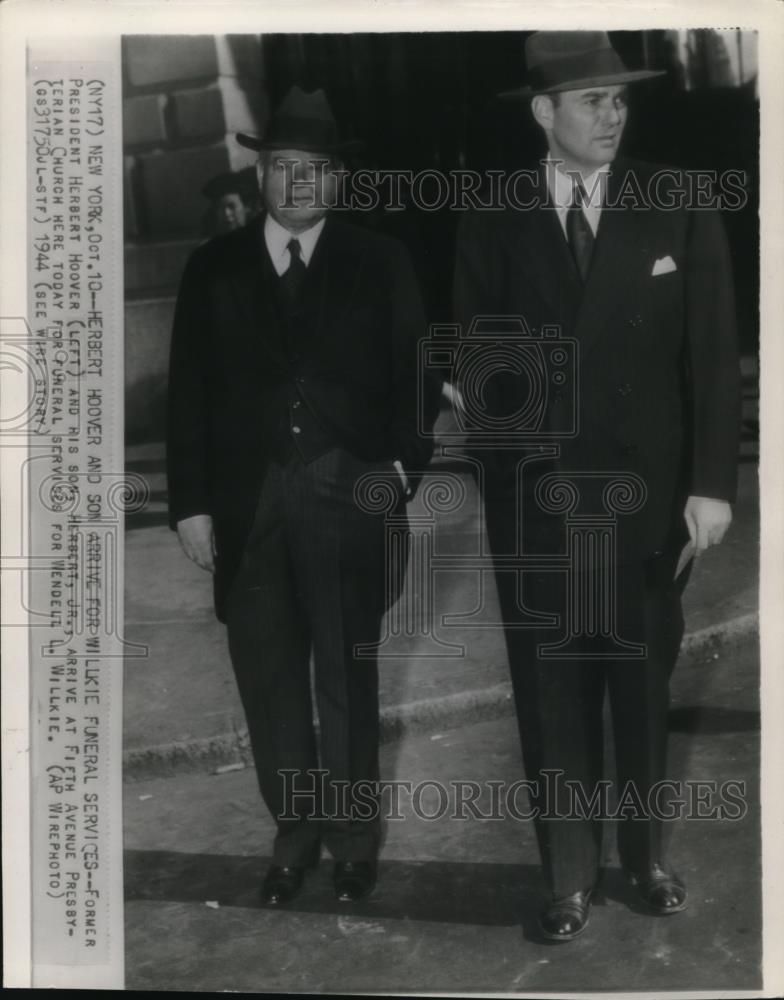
(663, 266)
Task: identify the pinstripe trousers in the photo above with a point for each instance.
(559, 704)
(313, 579)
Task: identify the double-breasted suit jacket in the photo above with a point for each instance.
(655, 380)
(657, 368)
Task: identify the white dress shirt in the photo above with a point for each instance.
(560, 185)
(277, 240)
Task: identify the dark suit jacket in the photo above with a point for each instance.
(357, 373)
(657, 376)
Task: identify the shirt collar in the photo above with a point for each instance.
(277, 240)
(560, 185)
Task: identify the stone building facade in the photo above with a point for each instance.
(184, 98)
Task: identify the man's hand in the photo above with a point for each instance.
(451, 393)
(403, 477)
(707, 521)
(197, 539)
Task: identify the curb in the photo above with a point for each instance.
(231, 751)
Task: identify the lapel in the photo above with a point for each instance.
(585, 310)
(613, 280)
(333, 275)
(252, 296)
(546, 258)
(335, 270)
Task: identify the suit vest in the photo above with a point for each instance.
(295, 425)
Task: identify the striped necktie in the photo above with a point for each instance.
(578, 231)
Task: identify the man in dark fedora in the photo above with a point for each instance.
(628, 467)
(293, 375)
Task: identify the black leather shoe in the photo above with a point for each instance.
(662, 891)
(281, 885)
(566, 917)
(354, 880)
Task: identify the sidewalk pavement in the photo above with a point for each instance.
(182, 712)
(455, 907)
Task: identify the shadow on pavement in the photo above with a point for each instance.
(710, 719)
(485, 894)
(479, 893)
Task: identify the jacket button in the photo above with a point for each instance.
(296, 404)
(297, 430)
(625, 389)
(630, 449)
(636, 320)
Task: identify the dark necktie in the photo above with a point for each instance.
(578, 231)
(294, 275)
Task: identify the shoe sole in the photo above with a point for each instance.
(563, 937)
(342, 898)
(664, 913)
(281, 902)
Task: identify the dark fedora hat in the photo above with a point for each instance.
(574, 60)
(302, 121)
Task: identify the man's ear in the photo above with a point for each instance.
(260, 163)
(542, 108)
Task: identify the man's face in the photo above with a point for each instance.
(230, 213)
(583, 127)
(297, 187)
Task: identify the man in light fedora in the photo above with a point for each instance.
(293, 375)
(629, 466)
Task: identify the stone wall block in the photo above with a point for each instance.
(148, 326)
(143, 119)
(171, 186)
(157, 60)
(198, 113)
(212, 112)
(155, 266)
(130, 219)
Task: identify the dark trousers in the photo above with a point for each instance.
(313, 578)
(559, 704)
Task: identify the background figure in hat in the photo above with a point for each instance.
(638, 430)
(293, 374)
(233, 200)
